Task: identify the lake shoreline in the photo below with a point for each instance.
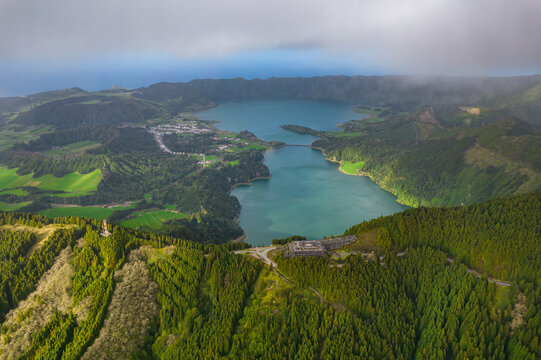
(238, 240)
(368, 175)
(250, 182)
(304, 196)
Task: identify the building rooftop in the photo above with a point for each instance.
(306, 246)
(317, 247)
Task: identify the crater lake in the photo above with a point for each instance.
(306, 195)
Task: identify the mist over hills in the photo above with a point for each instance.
(402, 92)
(279, 180)
(520, 95)
(489, 126)
(454, 278)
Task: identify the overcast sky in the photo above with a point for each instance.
(459, 37)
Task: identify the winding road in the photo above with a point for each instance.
(259, 253)
(262, 251)
(479, 275)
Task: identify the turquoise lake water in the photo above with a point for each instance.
(307, 195)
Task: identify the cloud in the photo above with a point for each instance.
(446, 36)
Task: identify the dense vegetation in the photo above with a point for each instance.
(201, 302)
(413, 302)
(520, 95)
(442, 155)
(20, 275)
(287, 239)
(130, 166)
(431, 140)
(415, 307)
(499, 237)
(13, 104)
(15, 244)
(20, 270)
(84, 111)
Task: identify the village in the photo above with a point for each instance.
(190, 127)
(184, 127)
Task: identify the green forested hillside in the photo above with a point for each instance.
(442, 155)
(113, 134)
(433, 141)
(420, 300)
(74, 112)
(402, 93)
(499, 237)
(20, 103)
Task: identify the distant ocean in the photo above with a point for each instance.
(101, 72)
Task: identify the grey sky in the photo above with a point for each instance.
(437, 36)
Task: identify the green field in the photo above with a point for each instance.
(224, 135)
(352, 168)
(234, 149)
(249, 147)
(67, 195)
(153, 219)
(73, 148)
(18, 192)
(73, 182)
(12, 207)
(9, 137)
(234, 162)
(346, 134)
(80, 211)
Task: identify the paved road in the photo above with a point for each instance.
(318, 294)
(479, 275)
(261, 253)
(450, 260)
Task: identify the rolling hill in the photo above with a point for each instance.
(433, 140)
(70, 293)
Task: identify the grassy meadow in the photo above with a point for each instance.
(94, 212)
(152, 219)
(352, 168)
(73, 182)
(12, 207)
(72, 148)
(16, 192)
(9, 137)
